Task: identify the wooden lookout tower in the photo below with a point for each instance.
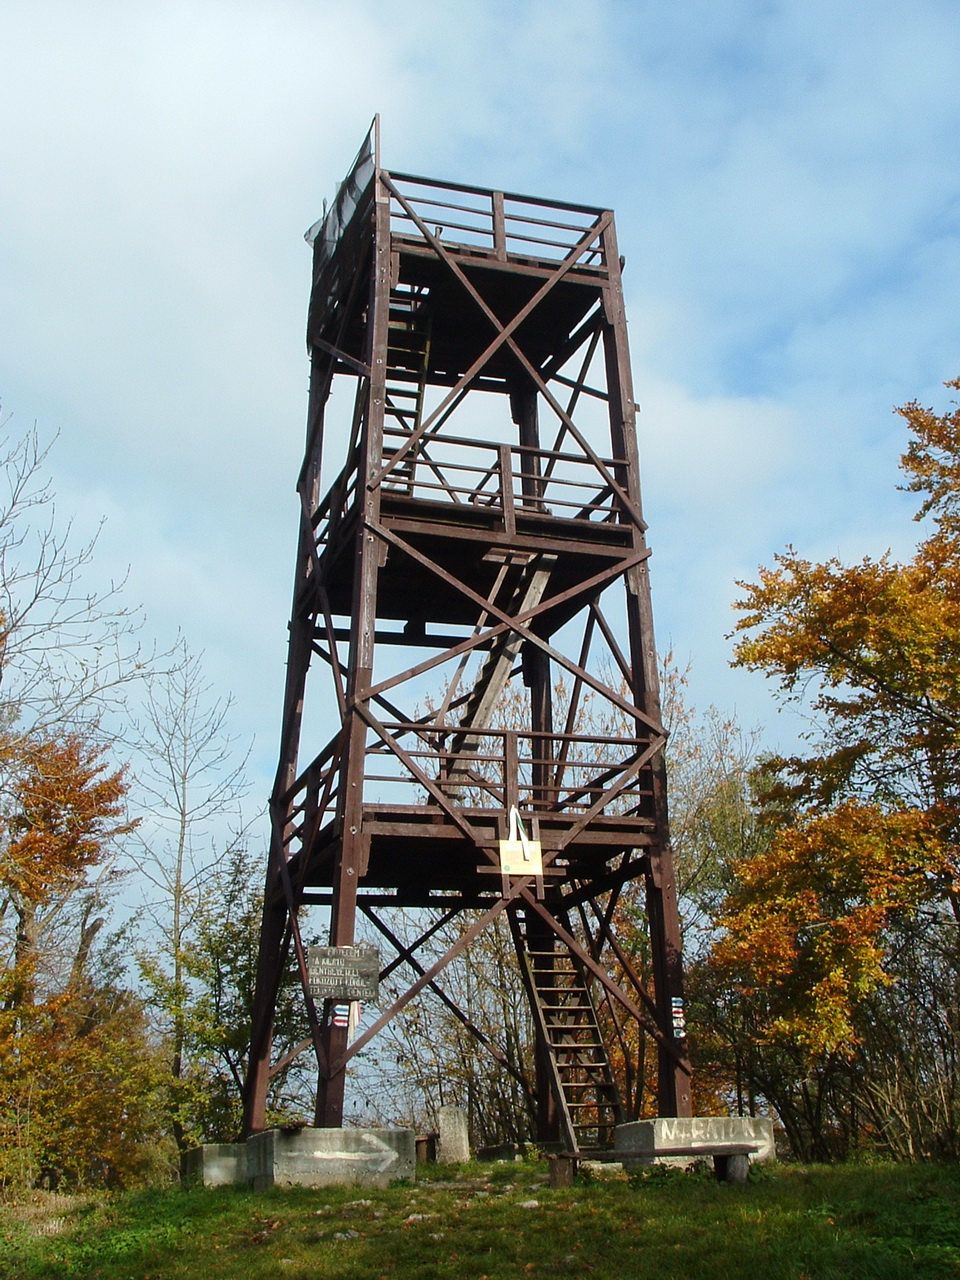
(471, 723)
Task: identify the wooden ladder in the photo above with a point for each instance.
(586, 1093)
(408, 360)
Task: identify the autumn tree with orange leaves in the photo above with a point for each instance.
(77, 1074)
(62, 810)
(77, 1070)
(840, 937)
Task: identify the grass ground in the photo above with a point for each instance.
(500, 1221)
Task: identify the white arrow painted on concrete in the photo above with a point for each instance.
(379, 1154)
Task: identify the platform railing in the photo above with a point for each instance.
(311, 801)
(502, 479)
(558, 774)
(497, 223)
(506, 478)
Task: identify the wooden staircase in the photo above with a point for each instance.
(478, 706)
(408, 361)
(585, 1091)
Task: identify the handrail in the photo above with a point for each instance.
(499, 222)
(544, 481)
(482, 769)
(532, 201)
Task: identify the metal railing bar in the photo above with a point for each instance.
(438, 470)
(515, 197)
(474, 443)
(609, 775)
(445, 204)
(491, 731)
(544, 222)
(587, 254)
(553, 244)
(486, 232)
(443, 482)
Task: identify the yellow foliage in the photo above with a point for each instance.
(805, 922)
(66, 809)
(866, 827)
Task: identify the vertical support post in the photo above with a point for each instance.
(499, 226)
(673, 1093)
(523, 405)
(536, 674)
(505, 457)
(270, 956)
(269, 967)
(349, 864)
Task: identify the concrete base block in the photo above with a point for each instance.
(323, 1157)
(216, 1164)
(647, 1142)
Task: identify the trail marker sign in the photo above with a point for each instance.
(343, 973)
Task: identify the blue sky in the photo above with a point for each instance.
(786, 182)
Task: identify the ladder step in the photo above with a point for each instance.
(411, 348)
(408, 343)
(608, 1085)
(583, 1082)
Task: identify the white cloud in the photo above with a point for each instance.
(785, 180)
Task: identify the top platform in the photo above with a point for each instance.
(508, 244)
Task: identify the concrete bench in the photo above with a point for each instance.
(731, 1160)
